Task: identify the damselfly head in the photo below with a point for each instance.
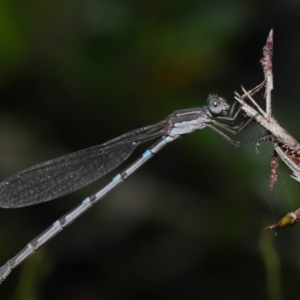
(218, 105)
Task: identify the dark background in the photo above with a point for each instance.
(188, 225)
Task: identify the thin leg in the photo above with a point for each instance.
(230, 128)
(230, 140)
(232, 116)
(233, 108)
(266, 138)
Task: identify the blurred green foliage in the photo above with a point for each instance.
(188, 224)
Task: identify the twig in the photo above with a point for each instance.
(289, 219)
(286, 146)
(266, 62)
(274, 166)
(265, 119)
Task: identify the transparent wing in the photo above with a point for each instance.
(61, 176)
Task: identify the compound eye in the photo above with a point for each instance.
(215, 104)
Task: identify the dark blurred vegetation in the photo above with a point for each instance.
(188, 225)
